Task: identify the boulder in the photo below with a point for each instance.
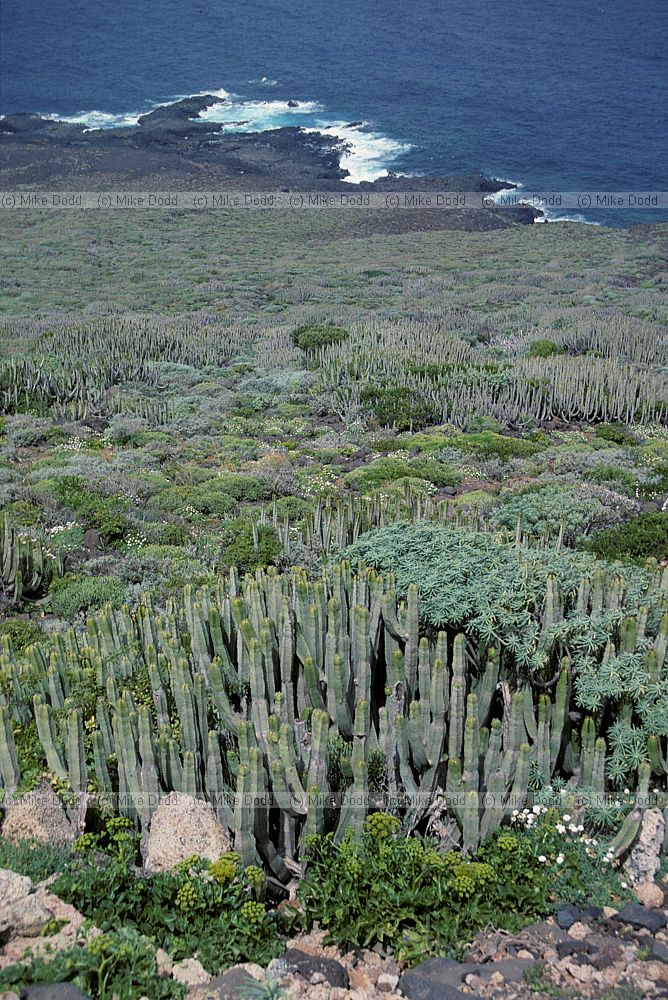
(643, 862)
(642, 918)
(650, 895)
(183, 826)
(39, 815)
(12, 887)
(307, 965)
(190, 972)
(27, 916)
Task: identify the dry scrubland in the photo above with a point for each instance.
(292, 509)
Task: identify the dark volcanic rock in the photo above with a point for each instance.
(306, 965)
(439, 978)
(568, 916)
(640, 917)
(430, 981)
(231, 985)
(54, 991)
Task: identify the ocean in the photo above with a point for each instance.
(567, 96)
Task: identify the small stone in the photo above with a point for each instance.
(583, 973)
(567, 916)
(231, 985)
(190, 972)
(360, 981)
(650, 895)
(164, 962)
(335, 974)
(641, 917)
(609, 912)
(660, 951)
(496, 979)
(523, 953)
(570, 947)
(316, 978)
(606, 957)
(387, 982)
(579, 931)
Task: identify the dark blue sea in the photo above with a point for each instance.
(569, 95)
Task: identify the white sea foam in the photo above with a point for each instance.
(364, 153)
(257, 116)
(94, 120)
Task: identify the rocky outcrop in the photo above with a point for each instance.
(25, 912)
(39, 815)
(643, 862)
(181, 827)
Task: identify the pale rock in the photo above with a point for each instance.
(359, 980)
(523, 953)
(164, 962)
(387, 982)
(39, 815)
(253, 969)
(190, 972)
(579, 931)
(583, 973)
(643, 862)
(609, 912)
(496, 979)
(27, 916)
(12, 887)
(317, 978)
(650, 895)
(181, 827)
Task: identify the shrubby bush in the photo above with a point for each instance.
(472, 582)
(71, 595)
(240, 549)
(380, 472)
(645, 536)
(403, 893)
(310, 338)
(544, 510)
(21, 633)
(398, 407)
(616, 433)
(544, 348)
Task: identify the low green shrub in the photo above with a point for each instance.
(119, 963)
(37, 861)
(22, 633)
(398, 407)
(401, 892)
(544, 348)
(382, 471)
(487, 444)
(645, 536)
(544, 510)
(71, 595)
(242, 551)
(105, 514)
(310, 338)
(615, 433)
(216, 910)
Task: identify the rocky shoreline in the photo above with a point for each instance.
(171, 149)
